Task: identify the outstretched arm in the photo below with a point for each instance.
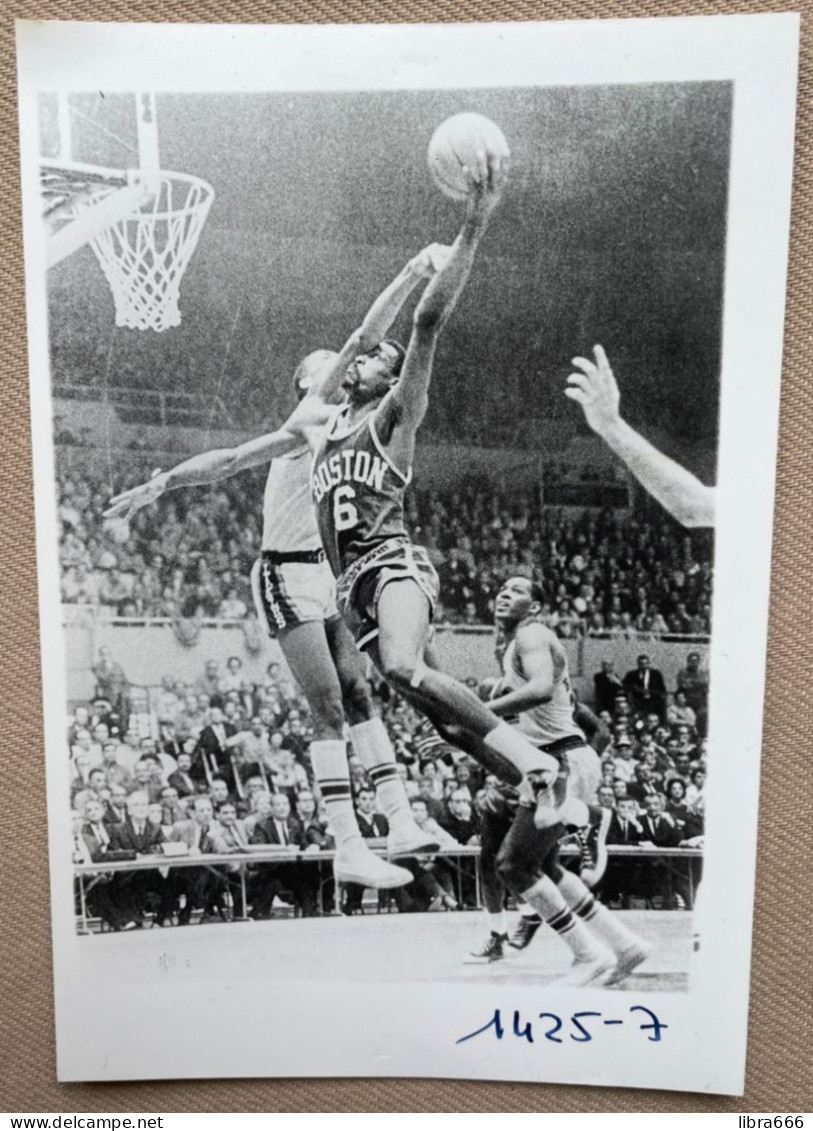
(379, 319)
(208, 467)
(409, 398)
(684, 496)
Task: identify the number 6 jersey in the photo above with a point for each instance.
(357, 491)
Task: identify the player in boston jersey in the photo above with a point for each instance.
(362, 466)
(295, 597)
(516, 854)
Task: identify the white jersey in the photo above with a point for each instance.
(551, 721)
(289, 520)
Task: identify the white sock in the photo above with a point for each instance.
(606, 925)
(372, 744)
(526, 911)
(548, 901)
(497, 922)
(329, 760)
(519, 751)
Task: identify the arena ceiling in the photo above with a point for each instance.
(612, 229)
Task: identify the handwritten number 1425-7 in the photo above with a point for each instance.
(584, 1026)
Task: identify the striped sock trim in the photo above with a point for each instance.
(383, 773)
(335, 790)
(562, 922)
(586, 907)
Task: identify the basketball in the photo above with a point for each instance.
(455, 144)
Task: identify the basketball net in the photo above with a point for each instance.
(145, 254)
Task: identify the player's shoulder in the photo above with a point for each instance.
(309, 419)
(534, 635)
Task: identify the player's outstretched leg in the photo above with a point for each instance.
(372, 744)
(306, 649)
(403, 620)
(629, 949)
(528, 851)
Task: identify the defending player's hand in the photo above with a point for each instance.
(128, 502)
(595, 389)
(432, 259)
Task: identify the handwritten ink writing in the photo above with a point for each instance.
(579, 1028)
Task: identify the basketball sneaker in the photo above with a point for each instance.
(492, 950)
(407, 839)
(523, 933)
(593, 845)
(594, 971)
(629, 960)
(354, 863)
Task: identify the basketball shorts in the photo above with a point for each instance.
(578, 781)
(291, 589)
(362, 583)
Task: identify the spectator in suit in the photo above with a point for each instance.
(213, 753)
(459, 820)
(170, 746)
(219, 792)
(253, 749)
(116, 772)
(133, 891)
(174, 809)
(661, 879)
(259, 809)
(100, 898)
(372, 826)
(148, 777)
(643, 785)
(622, 880)
(607, 684)
(694, 684)
(281, 830)
(435, 808)
(112, 684)
(236, 839)
(646, 688)
(605, 798)
(203, 836)
(96, 787)
(181, 779)
(463, 824)
(116, 812)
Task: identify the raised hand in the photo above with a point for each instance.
(127, 503)
(486, 179)
(595, 389)
(431, 260)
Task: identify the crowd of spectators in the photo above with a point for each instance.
(188, 557)
(223, 764)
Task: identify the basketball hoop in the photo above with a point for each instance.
(144, 253)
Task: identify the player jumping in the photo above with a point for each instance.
(294, 593)
(387, 587)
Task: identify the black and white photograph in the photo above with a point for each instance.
(404, 410)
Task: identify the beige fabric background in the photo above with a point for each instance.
(780, 1066)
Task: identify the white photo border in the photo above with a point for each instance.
(704, 1046)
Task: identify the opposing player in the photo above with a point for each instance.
(517, 855)
(681, 493)
(294, 593)
(362, 466)
(688, 500)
